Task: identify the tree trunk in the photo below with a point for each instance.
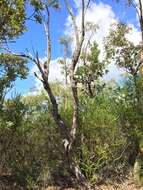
(68, 140)
(138, 170)
(75, 172)
(68, 136)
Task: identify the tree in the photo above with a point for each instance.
(127, 56)
(91, 71)
(12, 19)
(11, 67)
(122, 51)
(65, 42)
(68, 134)
(138, 6)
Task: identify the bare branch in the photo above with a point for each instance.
(134, 4)
(58, 119)
(87, 5)
(38, 77)
(86, 47)
(48, 39)
(83, 22)
(73, 20)
(73, 81)
(78, 48)
(28, 56)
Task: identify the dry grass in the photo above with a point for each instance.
(128, 185)
(58, 188)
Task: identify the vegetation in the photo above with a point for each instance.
(84, 133)
(12, 19)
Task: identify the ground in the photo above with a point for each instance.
(6, 184)
(128, 185)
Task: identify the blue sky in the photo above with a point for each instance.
(34, 38)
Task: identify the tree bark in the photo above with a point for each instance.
(68, 136)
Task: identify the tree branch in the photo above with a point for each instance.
(73, 20)
(141, 19)
(48, 39)
(73, 81)
(138, 67)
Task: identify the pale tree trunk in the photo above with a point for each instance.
(68, 135)
(140, 14)
(76, 54)
(139, 92)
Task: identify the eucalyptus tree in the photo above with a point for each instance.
(91, 71)
(11, 68)
(138, 6)
(65, 41)
(68, 134)
(12, 22)
(122, 51)
(126, 55)
(12, 19)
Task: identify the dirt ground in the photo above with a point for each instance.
(128, 185)
(123, 187)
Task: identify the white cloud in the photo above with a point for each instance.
(102, 15)
(114, 73)
(55, 74)
(134, 35)
(55, 71)
(99, 14)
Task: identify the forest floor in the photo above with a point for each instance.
(127, 185)
(124, 186)
(105, 187)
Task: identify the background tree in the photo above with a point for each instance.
(124, 54)
(138, 6)
(65, 42)
(11, 68)
(90, 72)
(12, 19)
(127, 56)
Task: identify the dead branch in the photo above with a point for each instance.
(73, 18)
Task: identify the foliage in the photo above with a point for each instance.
(122, 51)
(109, 138)
(11, 67)
(107, 142)
(42, 6)
(91, 71)
(28, 141)
(12, 19)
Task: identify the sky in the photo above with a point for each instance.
(103, 13)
